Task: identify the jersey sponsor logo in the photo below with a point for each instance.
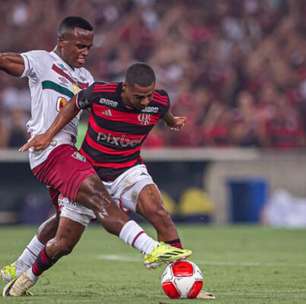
(150, 110)
(79, 157)
(118, 141)
(144, 119)
(108, 102)
(63, 81)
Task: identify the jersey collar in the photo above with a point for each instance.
(62, 63)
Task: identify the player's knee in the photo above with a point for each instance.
(89, 195)
(95, 201)
(98, 197)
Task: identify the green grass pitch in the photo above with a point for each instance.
(241, 265)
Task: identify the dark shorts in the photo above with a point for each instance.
(64, 170)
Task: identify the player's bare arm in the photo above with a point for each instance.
(174, 122)
(41, 141)
(12, 64)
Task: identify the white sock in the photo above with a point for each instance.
(132, 234)
(29, 255)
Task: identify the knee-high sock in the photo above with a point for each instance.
(29, 255)
(41, 264)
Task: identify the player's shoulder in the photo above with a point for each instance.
(105, 87)
(161, 93)
(39, 58)
(85, 71)
(161, 97)
(38, 54)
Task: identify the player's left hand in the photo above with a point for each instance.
(36, 143)
(178, 123)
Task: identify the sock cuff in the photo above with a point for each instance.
(35, 238)
(136, 237)
(127, 226)
(130, 232)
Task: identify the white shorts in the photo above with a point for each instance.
(124, 190)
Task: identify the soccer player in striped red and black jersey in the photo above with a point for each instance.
(122, 115)
(117, 127)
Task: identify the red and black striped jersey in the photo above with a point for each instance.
(116, 131)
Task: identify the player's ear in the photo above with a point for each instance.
(60, 42)
(62, 39)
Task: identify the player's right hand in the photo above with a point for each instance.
(36, 143)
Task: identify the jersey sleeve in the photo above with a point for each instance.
(34, 64)
(87, 97)
(165, 102)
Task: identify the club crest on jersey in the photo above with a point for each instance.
(75, 89)
(79, 157)
(144, 119)
(60, 103)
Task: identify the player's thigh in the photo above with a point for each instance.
(93, 194)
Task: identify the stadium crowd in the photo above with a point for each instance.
(235, 68)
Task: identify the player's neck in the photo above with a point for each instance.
(57, 52)
(126, 102)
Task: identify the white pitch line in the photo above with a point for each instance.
(118, 257)
(133, 259)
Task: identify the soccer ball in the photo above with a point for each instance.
(182, 279)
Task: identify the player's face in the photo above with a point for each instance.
(138, 96)
(74, 47)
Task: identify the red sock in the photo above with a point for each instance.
(42, 263)
(175, 243)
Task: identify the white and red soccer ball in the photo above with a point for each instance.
(182, 280)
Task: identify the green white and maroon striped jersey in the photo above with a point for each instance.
(52, 84)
